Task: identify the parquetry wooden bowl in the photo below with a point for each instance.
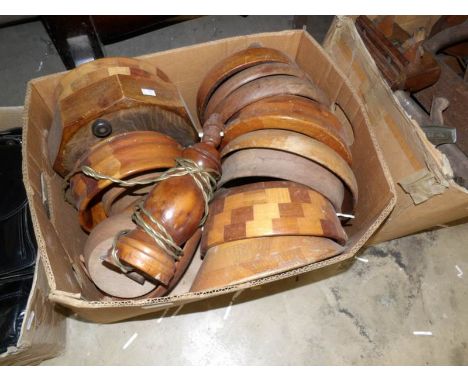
(108, 97)
(270, 209)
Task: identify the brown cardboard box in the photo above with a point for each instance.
(426, 194)
(61, 239)
(43, 330)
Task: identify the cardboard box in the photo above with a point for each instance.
(43, 329)
(426, 194)
(61, 239)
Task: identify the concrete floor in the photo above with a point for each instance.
(364, 311)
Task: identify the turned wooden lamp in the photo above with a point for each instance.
(171, 212)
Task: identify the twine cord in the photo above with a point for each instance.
(162, 238)
(114, 255)
(205, 179)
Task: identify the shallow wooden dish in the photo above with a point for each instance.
(299, 108)
(246, 76)
(266, 87)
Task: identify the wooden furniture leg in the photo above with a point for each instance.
(75, 39)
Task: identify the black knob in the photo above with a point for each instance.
(101, 128)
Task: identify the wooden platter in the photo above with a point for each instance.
(258, 163)
(245, 260)
(121, 157)
(298, 144)
(231, 65)
(270, 209)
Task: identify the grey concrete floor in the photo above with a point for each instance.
(363, 311)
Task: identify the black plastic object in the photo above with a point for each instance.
(18, 248)
(101, 128)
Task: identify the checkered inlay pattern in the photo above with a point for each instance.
(271, 209)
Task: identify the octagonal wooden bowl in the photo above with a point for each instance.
(108, 97)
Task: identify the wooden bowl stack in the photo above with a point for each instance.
(286, 164)
(123, 118)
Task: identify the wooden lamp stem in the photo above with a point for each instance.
(173, 209)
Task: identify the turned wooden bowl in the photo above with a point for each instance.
(246, 76)
(118, 198)
(292, 114)
(266, 87)
(121, 157)
(266, 163)
(249, 259)
(294, 143)
(231, 65)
